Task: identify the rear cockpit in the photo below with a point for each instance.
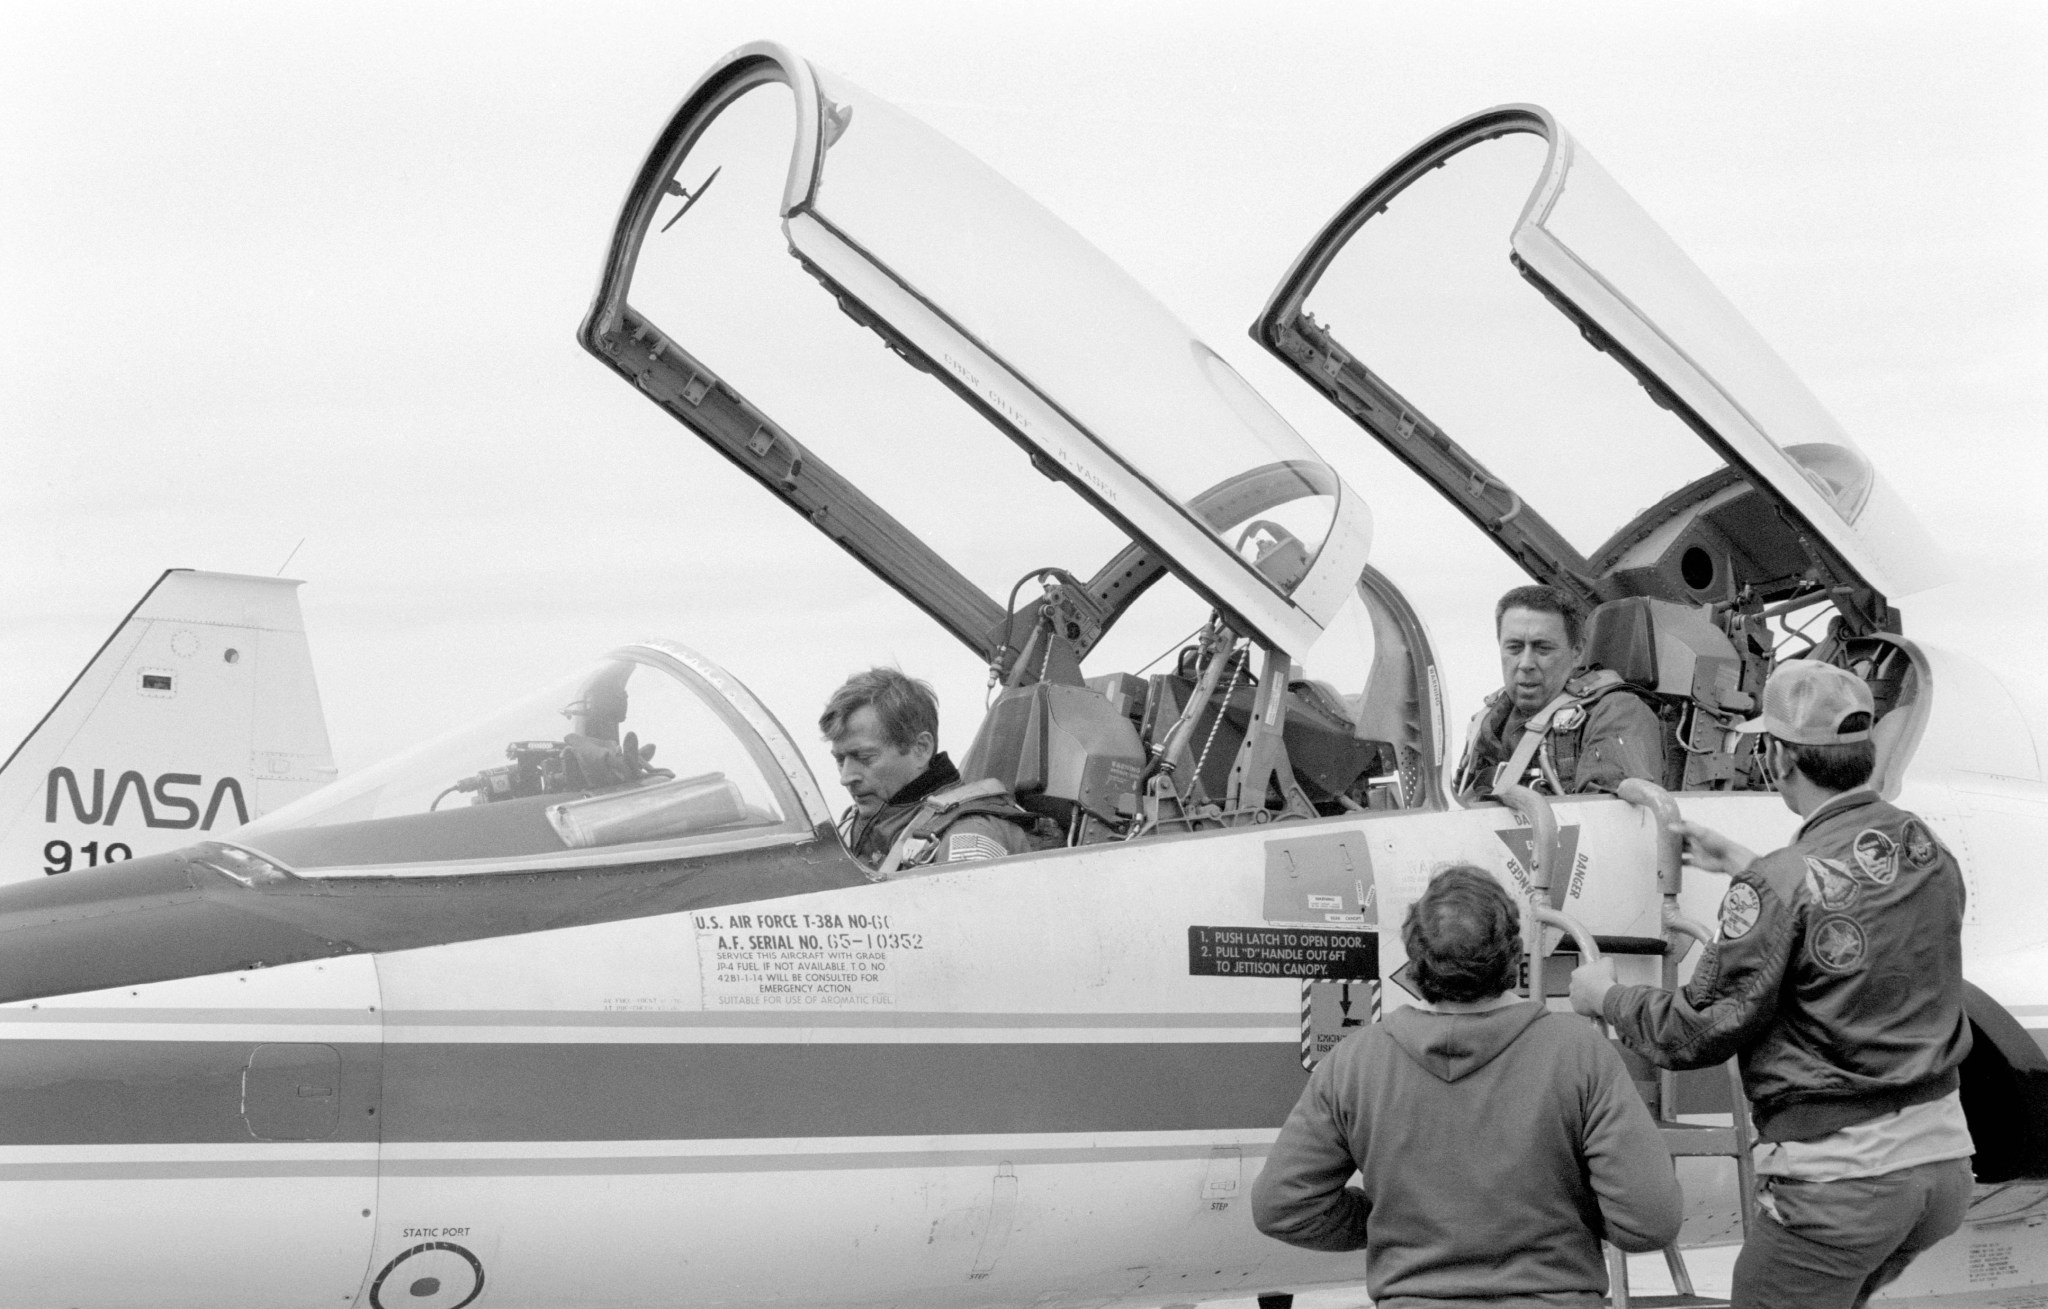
(1468, 310)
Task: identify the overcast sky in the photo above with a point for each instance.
(290, 272)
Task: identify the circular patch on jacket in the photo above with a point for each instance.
(1831, 883)
(1921, 849)
(1837, 945)
(1877, 856)
(1739, 911)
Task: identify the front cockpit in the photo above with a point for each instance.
(651, 754)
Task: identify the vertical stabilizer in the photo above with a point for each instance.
(198, 714)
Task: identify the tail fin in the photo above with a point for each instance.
(197, 715)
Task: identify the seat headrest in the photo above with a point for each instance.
(1621, 636)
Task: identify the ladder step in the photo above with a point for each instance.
(1676, 1302)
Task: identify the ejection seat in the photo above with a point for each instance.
(1687, 670)
(1060, 744)
(1329, 761)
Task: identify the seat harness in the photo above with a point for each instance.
(918, 843)
(1563, 716)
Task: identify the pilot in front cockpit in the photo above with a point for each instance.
(1546, 728)
(910, 808)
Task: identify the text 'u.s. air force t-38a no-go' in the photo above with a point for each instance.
(535, 1016)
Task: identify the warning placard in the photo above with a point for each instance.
(1283, 952)
(1331, 1011)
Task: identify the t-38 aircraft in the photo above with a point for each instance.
(535, 1016)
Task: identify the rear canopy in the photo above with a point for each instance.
(1700, 470)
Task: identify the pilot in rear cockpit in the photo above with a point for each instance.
(910, 808)
(1553, 727)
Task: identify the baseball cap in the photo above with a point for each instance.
(1806, 701)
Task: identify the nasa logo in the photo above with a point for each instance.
(1739, 911)
(105, 809)
(1837, 945)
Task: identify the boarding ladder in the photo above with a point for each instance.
(1543, 908)
(1683, 1139)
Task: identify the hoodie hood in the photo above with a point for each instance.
(1453, 1046)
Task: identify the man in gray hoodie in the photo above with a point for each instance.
(1496, 1143)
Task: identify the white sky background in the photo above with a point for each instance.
(282, 272)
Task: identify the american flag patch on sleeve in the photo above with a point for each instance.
(966, 847)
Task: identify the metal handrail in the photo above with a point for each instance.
(1535, 810)
(1670, 844)
(1670, 871)
(1545, 901)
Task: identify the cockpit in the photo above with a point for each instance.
(1501, 316)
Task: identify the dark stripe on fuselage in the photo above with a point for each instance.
(655, 1091)
(145, 1092)
(164, 1092)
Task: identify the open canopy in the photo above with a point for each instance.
(1701, 470)
(1161, 457)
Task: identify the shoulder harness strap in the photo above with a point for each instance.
(1467, 766)
(1565, 713)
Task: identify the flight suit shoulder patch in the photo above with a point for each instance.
(969, 847)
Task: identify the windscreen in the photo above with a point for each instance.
(622, 755)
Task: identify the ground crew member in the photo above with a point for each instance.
(1545, 728)
(1837, 978)
(1496, 1143)
(910, 808)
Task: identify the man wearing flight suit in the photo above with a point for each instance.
(910, 808)
(1837, 979)
(1545, 728)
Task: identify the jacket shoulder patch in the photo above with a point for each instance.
(1829, 882)
(1740, 909)
(1877, 856)
(1918, 845)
